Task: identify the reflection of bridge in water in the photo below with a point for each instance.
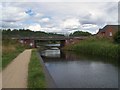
(62, 39)
(57, 55)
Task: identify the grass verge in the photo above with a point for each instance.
(10, 50)
(36, 77)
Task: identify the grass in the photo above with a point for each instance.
(36, 77)
(0, 56)
(96, 46)
(10, 50)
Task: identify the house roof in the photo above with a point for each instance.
(108, 26)
(112, 26)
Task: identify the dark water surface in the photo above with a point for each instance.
(70, 70)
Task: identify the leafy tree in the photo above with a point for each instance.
(26, 33)
(117, 37)
(80, 33)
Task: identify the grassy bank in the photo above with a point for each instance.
(36, 77)
(96, 46)
(10, 50)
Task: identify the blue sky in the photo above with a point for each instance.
(59, 17)
(30, 12)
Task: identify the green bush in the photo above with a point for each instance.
(117, 37)
(80, 33)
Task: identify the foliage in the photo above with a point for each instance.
(26, 33)
(117, 37)
(80, 33)
(10, 50)
(99, 47)
(36, 77)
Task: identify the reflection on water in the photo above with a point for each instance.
(51, 53)
(53, 45)
(75, 71)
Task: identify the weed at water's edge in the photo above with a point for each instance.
(98, 47)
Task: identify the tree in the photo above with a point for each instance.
(26, 33)
(117, 37)
(80, 33)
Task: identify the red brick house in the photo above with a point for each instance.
(108, 31)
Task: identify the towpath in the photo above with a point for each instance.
(15, 74)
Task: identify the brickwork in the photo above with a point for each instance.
(108, 31)
(28, 42)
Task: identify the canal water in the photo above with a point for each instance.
(71, 70)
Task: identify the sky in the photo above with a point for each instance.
(58, 17)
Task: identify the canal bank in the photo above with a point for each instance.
(49, 80)
(38, 76)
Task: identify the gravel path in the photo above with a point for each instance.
(15, 74)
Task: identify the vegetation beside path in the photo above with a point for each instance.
(96, 46)
(36, 77)
(10, 50)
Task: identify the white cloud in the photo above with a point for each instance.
(89, 26)
(70, 23)
(12, 25)
(60, 17)
(51, 30)
(45, 20)
(92, 28)
(61, 1)
(34, 27)
(13, 14)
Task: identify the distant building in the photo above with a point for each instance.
(108, 31)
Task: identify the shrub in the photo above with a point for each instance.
(94, 46)
(117, 37)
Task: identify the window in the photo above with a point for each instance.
(31, 44)
(110, 34)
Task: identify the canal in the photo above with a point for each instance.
(71, 70)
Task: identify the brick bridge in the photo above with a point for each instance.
(31, 41)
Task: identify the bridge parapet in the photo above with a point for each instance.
(53, 37)
(63, 40)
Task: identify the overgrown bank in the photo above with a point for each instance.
(36, 77)
(10, 50)
(96, 46)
